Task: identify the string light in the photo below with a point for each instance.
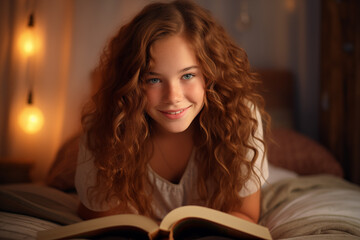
(31, 119)
(27, 39)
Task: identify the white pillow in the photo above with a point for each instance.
(276, 174)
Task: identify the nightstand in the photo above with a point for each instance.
(14, 172)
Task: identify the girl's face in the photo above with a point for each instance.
(174, 85)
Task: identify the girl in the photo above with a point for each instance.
(175, 121)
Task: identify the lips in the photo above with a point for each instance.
(175, 114)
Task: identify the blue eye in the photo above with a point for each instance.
(188, 76)
(153, 80)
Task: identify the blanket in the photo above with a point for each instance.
(313, 207)
(39, 201)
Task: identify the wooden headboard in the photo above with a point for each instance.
(278, 92)
(291, 149)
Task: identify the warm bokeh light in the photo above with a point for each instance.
(27, 42)
(31, 119)
(290, 5)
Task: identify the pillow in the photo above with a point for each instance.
(62, 172)
(277, 174)
(296, 152)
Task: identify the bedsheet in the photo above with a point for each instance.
(313, 207)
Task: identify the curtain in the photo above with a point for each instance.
(71, 35)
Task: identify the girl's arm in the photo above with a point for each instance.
(250, 208)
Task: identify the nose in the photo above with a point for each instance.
(173, 92)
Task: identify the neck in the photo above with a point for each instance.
(171, 152)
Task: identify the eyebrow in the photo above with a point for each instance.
(181, 71)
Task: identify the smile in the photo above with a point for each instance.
(175, 114)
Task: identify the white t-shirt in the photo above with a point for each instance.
(166, 195)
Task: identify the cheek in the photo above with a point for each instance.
(200, 95)
(197, 92)
(152, 97)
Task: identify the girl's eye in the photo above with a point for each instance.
(188, 76)
(153, 80)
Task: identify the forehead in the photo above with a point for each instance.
(172, 52)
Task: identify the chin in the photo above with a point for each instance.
(175, 129)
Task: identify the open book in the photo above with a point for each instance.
(188, 222)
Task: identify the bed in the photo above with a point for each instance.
(305, 197)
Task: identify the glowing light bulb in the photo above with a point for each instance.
(27, 42)
(29, 45)
(31, 119)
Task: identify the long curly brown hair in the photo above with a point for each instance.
(118, 128)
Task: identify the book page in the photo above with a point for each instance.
(214, 216)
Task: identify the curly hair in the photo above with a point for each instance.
(118, 128)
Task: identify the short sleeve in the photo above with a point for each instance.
(85, 178)
(261, 163)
